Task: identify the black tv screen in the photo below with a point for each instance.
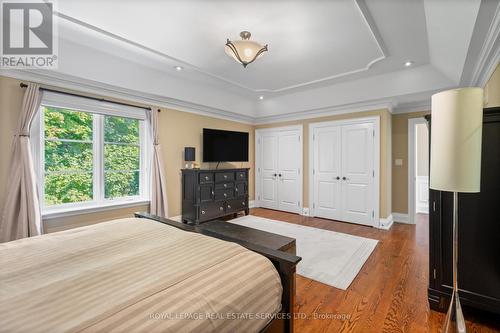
(224, 146)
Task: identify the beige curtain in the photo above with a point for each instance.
(21, 212)
(159, 204)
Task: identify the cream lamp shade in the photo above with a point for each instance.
(456, 132)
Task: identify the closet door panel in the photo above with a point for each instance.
(289, 164)
(357, 173)
(326, 176)
(269, 170)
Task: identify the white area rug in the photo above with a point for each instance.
(329, 257)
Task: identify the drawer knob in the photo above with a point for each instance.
(213, 192)
(203, 212)
(229, 206)
(225, 176)
(236, 189)
(225, 185)
(225, 195)
(222, 208)
(206, 177)
(243, 203)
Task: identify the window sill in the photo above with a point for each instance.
(57, 213)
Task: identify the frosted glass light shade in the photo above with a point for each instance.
(456, 133)
(244, 51)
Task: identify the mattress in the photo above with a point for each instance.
(134, 275)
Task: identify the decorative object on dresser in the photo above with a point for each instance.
(455, 166)
(189, 156)
(209, 194)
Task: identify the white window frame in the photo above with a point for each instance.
(99, 109)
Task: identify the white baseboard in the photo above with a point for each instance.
(386, 223)
(400, 218)
(251, 204)
(424, 209)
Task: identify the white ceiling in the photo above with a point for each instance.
(324, 56)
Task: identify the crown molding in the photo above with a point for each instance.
(489, 56)
(327, 111)
(423, 105)
(360, 4)
(68, 82)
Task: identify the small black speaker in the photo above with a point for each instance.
(189, 154)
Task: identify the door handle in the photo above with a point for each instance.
(337, 178)
(275, 175)
(343, 178)
(279, 175)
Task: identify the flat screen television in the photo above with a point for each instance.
(224, 146)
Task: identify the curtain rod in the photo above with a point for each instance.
(24, 85)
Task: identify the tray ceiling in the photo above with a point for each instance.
(323, 55)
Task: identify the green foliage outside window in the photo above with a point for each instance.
(69, 156)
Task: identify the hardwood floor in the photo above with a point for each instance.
(388, 295)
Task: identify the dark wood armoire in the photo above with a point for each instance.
(478, 229)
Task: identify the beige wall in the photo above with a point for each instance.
(385, 151)
(177, 130)
(422, 141)
(492, 89)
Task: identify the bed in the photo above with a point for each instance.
(143, 274)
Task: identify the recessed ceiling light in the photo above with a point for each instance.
(261, 97)
(179, 68)
(408, 63)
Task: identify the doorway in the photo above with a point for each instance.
(418, 168)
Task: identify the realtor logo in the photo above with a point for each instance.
(28, 38)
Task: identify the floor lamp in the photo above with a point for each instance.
(456, 131)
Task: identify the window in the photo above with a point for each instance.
(89, 154)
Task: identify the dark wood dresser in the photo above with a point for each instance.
(478, 233)
(209, 194)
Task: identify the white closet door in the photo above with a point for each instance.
(289, 165)
(357, 173)
(269, 170)
(327, 173)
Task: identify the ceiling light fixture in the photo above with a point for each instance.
(244, 51)
(261, 97)
(179, 68)
(408, 63)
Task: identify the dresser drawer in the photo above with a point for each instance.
(241, 175)
(236, 205)
(222, 186)
(206, 177)
(224, 194)
(241, 189)
(206, 192)
(224, 176)
(211, 210)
